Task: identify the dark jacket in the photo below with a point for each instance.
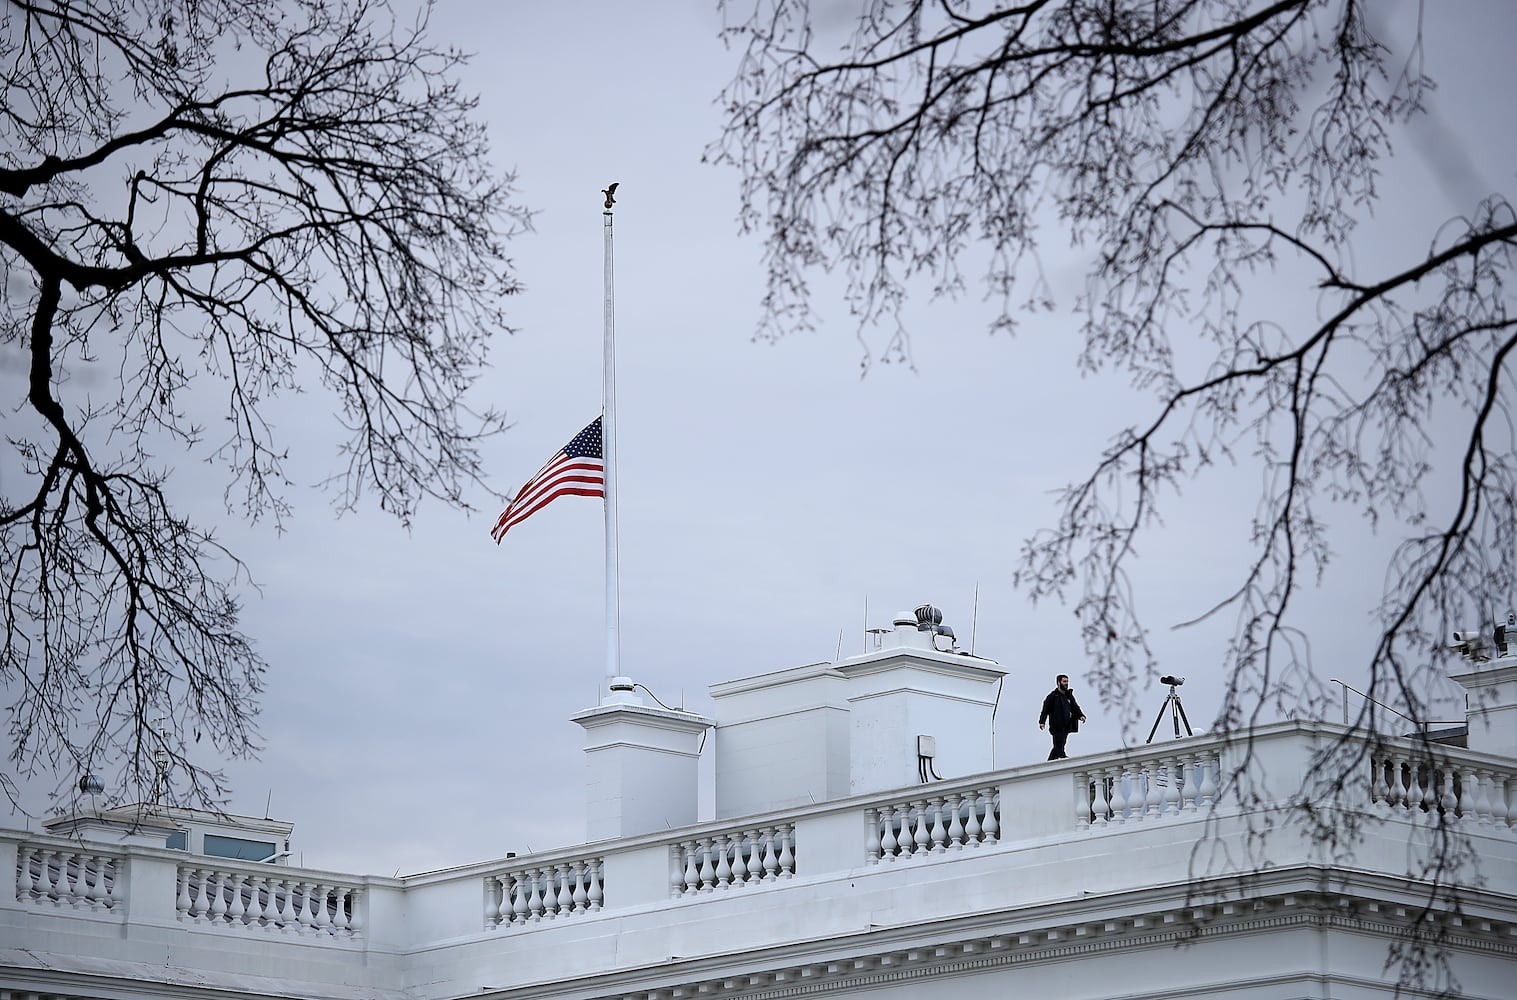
(1061, 712)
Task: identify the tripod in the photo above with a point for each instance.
(1176, 713)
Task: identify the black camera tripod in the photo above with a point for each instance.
(1176, 712)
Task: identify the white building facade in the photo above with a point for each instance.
(834, 870)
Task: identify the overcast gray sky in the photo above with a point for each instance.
(420, 684)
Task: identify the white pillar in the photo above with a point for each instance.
(641, 767)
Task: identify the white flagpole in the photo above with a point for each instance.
(608, 454)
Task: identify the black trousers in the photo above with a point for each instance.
(1058, 745)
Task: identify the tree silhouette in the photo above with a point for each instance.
(219, 203)
(1204, 152)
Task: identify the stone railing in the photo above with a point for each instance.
(1038, 809)
(1160, 783)
(1416, 781)
(932, 824)
(741, 857)
(269, 898)
(530, 894)
(76, 876)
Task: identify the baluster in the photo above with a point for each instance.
(89, 875)
(1379, 793)
(1118, 804)
(1449, 802)
(972, 829)
(888, 844)
(955, 804)
(871, 836)
(1098, 801)
(552, 888)
(108, 891)
(535, 898)
(1187, 772)
(264, 900)
(493, 895)
(676, 870)
(67, 877)
(597, 883)
(257, 900)
(992, 824)
(678, 863)
(1395, 792)
(708, 867)
(787, 850)
(1414, 789)
(1482, 777)
(692, 869)
(215, 893)
(1154, 804)
(565, 890)
(341, 918)
(1082, 800)
(200, 903)
(936, 832)
(280, 910)
(237, 910)
(323, 919)
(723, 864)
(1501, 814)
(580, 898)
(28, 878)
(919, 835)
(55, 877)
(772, 854)
(755, 865)
(182, 893)
(1211, 771)
(355, 912)
(513, 905)
(310, 903)
(1170, 796)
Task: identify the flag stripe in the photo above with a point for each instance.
(577, 470)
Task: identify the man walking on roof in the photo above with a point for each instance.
(1061, 713)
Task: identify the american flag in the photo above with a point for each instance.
(577, 470)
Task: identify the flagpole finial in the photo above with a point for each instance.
(610, 194)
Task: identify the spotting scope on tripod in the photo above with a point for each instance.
(1176, 710)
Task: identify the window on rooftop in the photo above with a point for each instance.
(179, 840)
(236, 847)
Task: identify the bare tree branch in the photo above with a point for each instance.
(254, 196)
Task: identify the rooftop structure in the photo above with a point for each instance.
(839, 862)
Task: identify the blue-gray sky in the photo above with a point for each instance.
(420, 683)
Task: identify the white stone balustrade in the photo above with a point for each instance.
(1154, 784)
(534, 893)
(67, 876)
(741, 857)
(1008, 836)
(1410, 781)
(933, 823)
(271, 898)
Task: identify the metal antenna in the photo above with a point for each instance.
(974, 618)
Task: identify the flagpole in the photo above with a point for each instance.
(608, 448)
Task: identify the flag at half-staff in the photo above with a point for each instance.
(578, 469)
